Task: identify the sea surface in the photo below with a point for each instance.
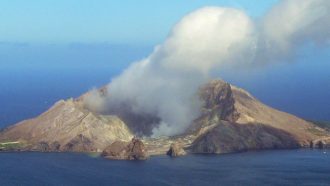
(282, 167)
(33, 78)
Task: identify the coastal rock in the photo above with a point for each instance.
(55, 146)
(175, 150)
(46, 147)
(321, 143)
(119, 150)
(229, 137)
(80, 144)
(42, 147)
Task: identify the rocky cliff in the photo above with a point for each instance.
(231, 120)
(121, 150)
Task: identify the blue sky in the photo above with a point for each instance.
(142, 22)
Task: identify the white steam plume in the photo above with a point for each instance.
(165, 83)
(291, 23)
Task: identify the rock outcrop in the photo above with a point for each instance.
(321, 143)
(218, 100)
(120, 150)
(42, 147)
(55, 146)
(80, 143)
(175, 150)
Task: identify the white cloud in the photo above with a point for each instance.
(165, 83)
(291, 23)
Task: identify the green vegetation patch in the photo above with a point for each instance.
(11, 145)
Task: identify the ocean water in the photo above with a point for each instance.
(283, 167)
(33, 78)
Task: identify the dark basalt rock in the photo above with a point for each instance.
(119, 150)
(320, 144)
(175, 150)
(80, 143)
(218, 99)
(55, 146)
(42, 147)
(45, 147)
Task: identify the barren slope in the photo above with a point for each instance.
(65, 121)
(231, 120)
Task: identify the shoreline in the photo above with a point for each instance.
(98, 154)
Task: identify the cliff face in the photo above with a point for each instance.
(219, 101)
(231, 120)
(120, 150)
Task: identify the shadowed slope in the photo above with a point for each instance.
(229, 137)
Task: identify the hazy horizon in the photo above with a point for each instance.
(63, 59)
(300, 88)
